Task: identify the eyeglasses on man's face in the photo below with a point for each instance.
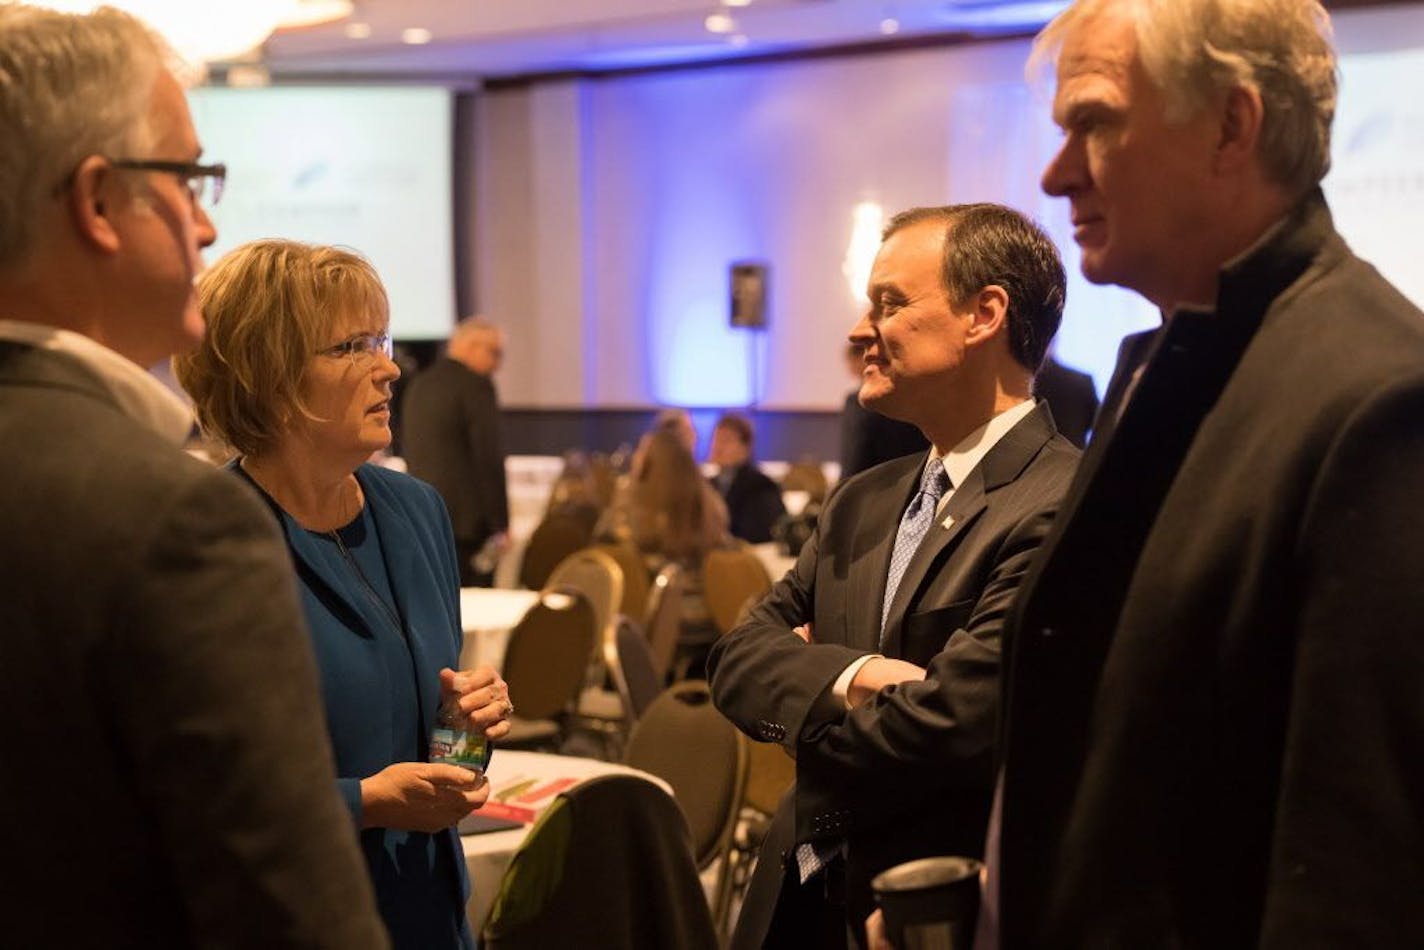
(194, 177)
(361, 350)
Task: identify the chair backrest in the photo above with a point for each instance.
(630, 663)
(598, 577)
(636, 580)
(731, 577)
(547, 657)
(808, 477)
(608, 865)
(663, 621)
(770, 772)
(684, 740)
(557, 536)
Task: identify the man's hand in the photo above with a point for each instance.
(803, 631)
(877, 673)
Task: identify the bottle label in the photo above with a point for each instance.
(458, 747)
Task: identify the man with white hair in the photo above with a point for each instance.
(167, 780)
(1213, 713)
(450, 437)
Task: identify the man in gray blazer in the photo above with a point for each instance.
(166, 780)
(875, 661)
(1214, 709)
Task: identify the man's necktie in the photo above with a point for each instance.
(913, 527)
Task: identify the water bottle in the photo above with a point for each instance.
(452, 742)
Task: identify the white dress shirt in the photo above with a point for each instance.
(958, 462)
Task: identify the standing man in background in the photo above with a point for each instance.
(166, 777)
(450, 437)
(875, 661)
(867, 437)
(1213, 717)
(1071, 395)
(753, 500)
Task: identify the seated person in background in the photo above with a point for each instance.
(753, 500)
(679, 423)
(673, 512)
(673, 515)
(295, 373)
(867, 437)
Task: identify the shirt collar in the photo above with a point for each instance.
(966, 456)
(137, 393)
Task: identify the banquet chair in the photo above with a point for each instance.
(610, 712)
(770, 774)
(557, 536)
(636, 582)
(685, 741)
(598, 577)
(662, 620)
(608, 865)
(545, 665)
(731, 577)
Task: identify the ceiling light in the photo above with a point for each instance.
(736, 3)
(358, 31)
(416, 36)
(719, 23)
(889, 26)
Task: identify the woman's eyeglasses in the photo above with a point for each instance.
(361, 349)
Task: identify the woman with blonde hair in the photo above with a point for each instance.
(675, 514)
(295, 374)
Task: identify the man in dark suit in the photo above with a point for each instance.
(875, 660)
(450, 436)
(1072, 397)
(753, 500)
(167, 781)
(1214, 713)
(867, 437)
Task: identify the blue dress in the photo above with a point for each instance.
(382, 600)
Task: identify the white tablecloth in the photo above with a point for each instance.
(523, 773)
(773, 559)
(487, 614)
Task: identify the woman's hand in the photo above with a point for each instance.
(482, 696)
(420, 796)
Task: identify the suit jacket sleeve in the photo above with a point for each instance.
(763, 677)
(922, 736)
(1347, 820)
(215, 688)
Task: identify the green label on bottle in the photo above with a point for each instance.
(458, 747)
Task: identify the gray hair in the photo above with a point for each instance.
(475, 327)
(71, 86)
(1195, 50)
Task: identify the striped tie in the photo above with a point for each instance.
(913, 527)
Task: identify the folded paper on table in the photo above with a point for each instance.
(478, 823)
(522, 798)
